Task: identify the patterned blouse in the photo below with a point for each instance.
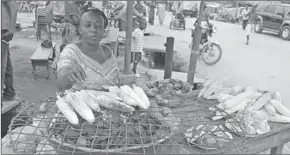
(97, 73)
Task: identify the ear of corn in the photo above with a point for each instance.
(237, 99)
(80, 107)
(113, 104)
(277, 96)
(211, 89)
(139, 91)
(280, 107)
(68, 112)
(205, 87)
(270, 109)
(132, 94)
(236, 90)
(89, 100)
(279, 118)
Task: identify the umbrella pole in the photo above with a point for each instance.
(128, 37)
(195, 46)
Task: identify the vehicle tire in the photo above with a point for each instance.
(285, 33)
(258, 27)
(204, 56)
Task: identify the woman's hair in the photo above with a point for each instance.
(97, 11)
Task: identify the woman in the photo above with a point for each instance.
(122, 15)
(161, 11)
(70, 31)
(87, 63)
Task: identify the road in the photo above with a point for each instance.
(261, 64)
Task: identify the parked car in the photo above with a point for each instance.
(275, 18)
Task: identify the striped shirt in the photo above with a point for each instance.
(137, 41)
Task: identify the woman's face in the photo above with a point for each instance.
(92, 27)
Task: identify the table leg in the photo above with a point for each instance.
(47, 71)
(34, 71)
(277, 150)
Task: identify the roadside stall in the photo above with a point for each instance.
(167, 116)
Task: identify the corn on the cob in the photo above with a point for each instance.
(205, 87)
(270, 109)
(264, 99)
(80, 107)
(110, 94)
(68, 112)
(139, 91)
(113, 104)
(237, 99)
(235, 90)
(88, 99)
(277, 96)
(132, 94)
(279, 118)
(280, 107)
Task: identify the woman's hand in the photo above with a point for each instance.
(76, 74)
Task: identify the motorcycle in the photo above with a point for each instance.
(209, 50)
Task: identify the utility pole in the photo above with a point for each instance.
(128, 37)
(195, 46)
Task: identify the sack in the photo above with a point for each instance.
(46, 44)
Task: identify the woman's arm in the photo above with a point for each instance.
(62, 81)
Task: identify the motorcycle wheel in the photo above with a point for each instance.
(205, 55)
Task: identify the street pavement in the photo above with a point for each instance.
(262, 64)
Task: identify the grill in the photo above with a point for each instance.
(183, 130)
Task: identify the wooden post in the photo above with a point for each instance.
(168, 57)
(128, 37)
(195, 46)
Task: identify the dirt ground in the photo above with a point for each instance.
(28, 89)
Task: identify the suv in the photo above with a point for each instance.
(275, 18)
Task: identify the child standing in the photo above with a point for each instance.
(137, 43)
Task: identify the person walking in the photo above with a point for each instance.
(8, 23)
(161, 12)
(251, 15)
(152, 6)
(245, 17)
(137, 43)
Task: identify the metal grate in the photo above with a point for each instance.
(158, 130)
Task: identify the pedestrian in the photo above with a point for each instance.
(249, 27)
(137, 43)
(245, 17)
(8, 23)
(70, 32)
(122, 15)
(161, 12)
(44, 16)
(152, 6)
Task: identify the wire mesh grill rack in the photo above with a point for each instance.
(184, 130)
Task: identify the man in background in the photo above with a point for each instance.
(8, 23)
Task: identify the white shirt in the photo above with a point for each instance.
(244, 13)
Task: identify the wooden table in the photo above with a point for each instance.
(41, 57)
(154, 43)
(111, 39)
